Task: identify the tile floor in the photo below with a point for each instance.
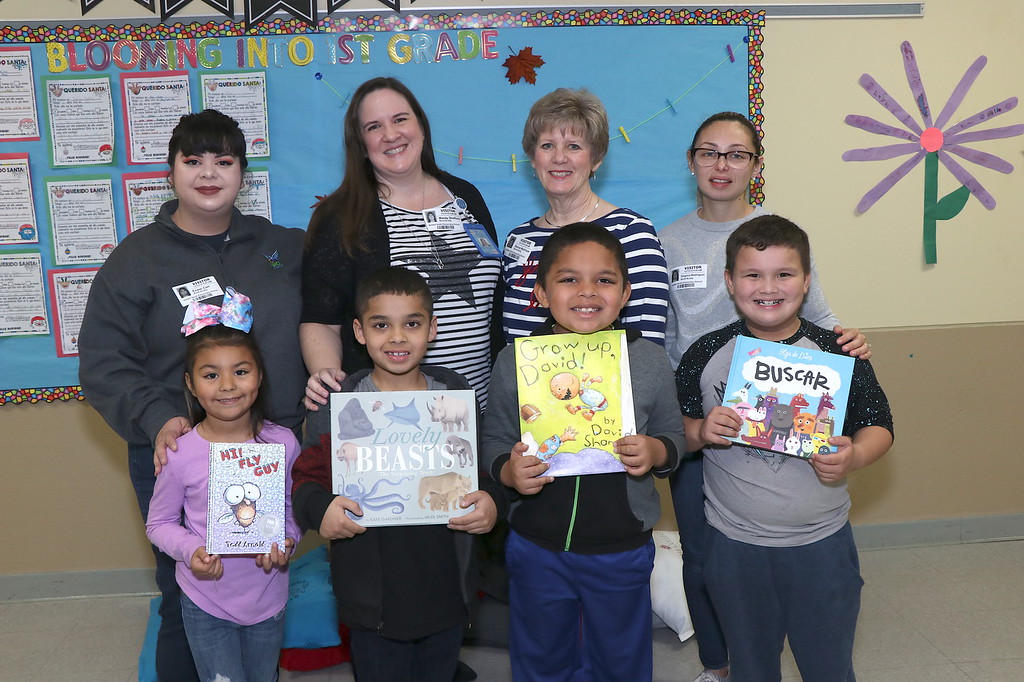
(930, 614)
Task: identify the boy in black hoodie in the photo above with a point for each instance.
(404, 591)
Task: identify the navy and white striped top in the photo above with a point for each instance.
(648, 276)
(462, 284)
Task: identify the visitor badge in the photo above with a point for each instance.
(197, 290)
(484, 244)
(690, 277)
(443, 218)
(518, 249)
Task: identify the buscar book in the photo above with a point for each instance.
(407, 457)
(575, 400)
(245, 507)
(791, 399)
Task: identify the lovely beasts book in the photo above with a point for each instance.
(245, 508)
(791, 399)
(575, 400)
(407, 457)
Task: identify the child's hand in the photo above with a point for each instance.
(853, 342)
(834, 466)
(640, 453)
(721, 422)
(317, 387)
(276, 556)
(481, 519)
(167, 439)
(336, 524)
(206, 566)
(523, 472)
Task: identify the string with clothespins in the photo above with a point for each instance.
(624, 132)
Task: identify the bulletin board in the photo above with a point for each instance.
(659, 73)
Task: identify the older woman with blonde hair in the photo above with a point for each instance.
(566, 139)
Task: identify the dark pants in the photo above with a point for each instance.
(687, 483)
(810, 594)
(173, 655)
(429, 659)
(579, 617)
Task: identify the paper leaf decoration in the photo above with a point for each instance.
(523, 66)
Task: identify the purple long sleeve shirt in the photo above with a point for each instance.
(245, 593)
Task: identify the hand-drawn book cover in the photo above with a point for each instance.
(791, 399)
(407, 457)
(245, 506)
(575, 400)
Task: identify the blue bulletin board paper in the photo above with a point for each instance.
(659, 73)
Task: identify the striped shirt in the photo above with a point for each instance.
(648, 275)
(462, 284)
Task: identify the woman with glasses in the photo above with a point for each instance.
(724, 157)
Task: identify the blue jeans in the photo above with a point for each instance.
(429, 659)
(173, 655)
(687, 483)
(227, 651)
(809, 593)
(579, 617)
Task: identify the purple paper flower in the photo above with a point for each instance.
(932, 143)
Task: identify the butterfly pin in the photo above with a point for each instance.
(274, 259)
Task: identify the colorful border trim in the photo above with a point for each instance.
(390, 22)
(754, 20)
(17, 396)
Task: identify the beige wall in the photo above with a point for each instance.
(935, 329)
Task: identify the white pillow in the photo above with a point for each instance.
(667, 598)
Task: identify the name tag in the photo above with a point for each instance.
(518, 249)
(197, 290)
(690, 277)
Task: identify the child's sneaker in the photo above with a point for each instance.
(708, 676)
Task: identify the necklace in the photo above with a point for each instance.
(581, 220)
(405, 200)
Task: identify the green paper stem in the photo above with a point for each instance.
(931, 193)
(938, 209)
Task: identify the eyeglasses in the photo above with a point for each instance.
(736, 158)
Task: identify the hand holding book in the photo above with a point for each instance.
(525, 472)
(206, 566)
(481, 519)
(337, 525)
(721, 424)
(276, 557)
(868, 444)
(639, 454)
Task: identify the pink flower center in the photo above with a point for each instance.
(931, 139)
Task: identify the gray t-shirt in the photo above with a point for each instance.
(761, 497)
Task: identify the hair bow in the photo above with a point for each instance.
(235, 312)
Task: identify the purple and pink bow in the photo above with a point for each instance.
(235, 311)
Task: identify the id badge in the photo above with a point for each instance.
(690, 277)
(443, 218)
(518, 249)
(197, 290)
(484, 244)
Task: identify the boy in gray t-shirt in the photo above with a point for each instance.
(781, 559)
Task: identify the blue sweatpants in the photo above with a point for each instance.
(809, 593)
(579, 617)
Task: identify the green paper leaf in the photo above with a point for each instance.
(950, 205)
